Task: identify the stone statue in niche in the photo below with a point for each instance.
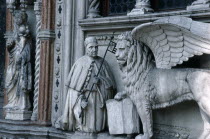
(153, 84)
(85, 108)
(18, 76)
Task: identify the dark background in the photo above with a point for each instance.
(2, 50)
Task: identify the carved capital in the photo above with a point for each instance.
(37, 8)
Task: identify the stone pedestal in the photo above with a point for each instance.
(122, 117)
(18, 115)
(199, 4)
(141, 7)
(93, 11)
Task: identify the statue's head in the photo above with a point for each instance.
(91, 45)
(21, 18)
(125, 41)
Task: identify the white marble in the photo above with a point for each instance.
(18, 115)
(199, 5)
(150, 82)
(141, 7)
(122, 117)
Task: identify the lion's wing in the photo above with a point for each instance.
(174, 39)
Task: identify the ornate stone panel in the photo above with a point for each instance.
(58, 59)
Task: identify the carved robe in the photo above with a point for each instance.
(18, 77)
(80, 79)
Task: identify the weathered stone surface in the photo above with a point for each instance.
(18, 82)
(199, 5)
(89, 86)
(122, 117)
(141, 7)
(160, 86)
(18, 115)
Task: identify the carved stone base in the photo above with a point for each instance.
(198, 6)
(18, 115)
(122, 117)
(144, 10)
(92, 13)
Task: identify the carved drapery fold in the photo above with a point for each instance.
(93, 10)
(199, 5)
(37, 9)
(141, 7)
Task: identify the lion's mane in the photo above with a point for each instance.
(139, 63)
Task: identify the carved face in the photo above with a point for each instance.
(122, 52)
(92, 49)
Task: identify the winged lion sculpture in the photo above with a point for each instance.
(147, 56)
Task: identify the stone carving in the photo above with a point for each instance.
(122, 117)
(141, 7)
(172, 40)
(82, 113)
(93, 10)
(199, 4)
(18, 77)
(37, 9)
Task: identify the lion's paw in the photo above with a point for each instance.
(142, 137)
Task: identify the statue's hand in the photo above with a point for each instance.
(120, 95)
(84, 103)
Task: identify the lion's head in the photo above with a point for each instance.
(125, 41)
(134, 59)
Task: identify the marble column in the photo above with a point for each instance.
(37, 9)
(93, 10)
(47, 36)
(141, 7)
(199, 5)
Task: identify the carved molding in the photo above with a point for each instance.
(37, 9)
(46, 34)
(129, 22)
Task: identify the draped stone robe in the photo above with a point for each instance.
(80, 79)
(18, 77)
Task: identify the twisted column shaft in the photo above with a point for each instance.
(37, 9)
